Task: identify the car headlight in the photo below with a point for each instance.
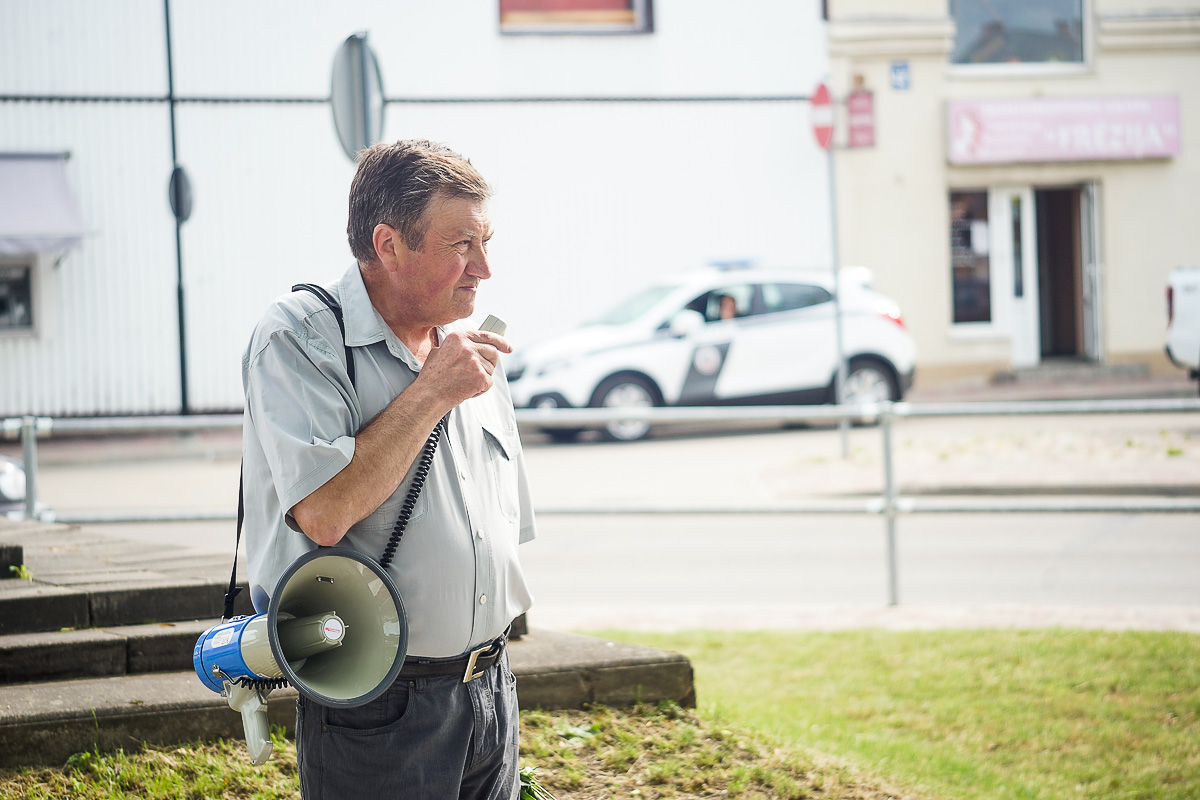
(12, 481)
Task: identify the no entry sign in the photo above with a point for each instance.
(822, 117)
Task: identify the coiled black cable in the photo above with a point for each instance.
(424, 464)
(262, 684)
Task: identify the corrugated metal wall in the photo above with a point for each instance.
(592, 197)
(109, 345)
(270, 184)
(81, 47)
(112, 347)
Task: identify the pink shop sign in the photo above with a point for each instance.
(1063, 129)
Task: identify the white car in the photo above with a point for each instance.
(12, 490)
(721, 337)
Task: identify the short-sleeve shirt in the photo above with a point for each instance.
(456, 566)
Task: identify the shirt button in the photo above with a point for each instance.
(482, 599)
(479, 533)
(462, 473)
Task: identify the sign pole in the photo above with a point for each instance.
(822, 122)
(839, 381)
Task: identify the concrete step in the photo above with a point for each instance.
(32, 607)
(111, 651)
(95, 651)
(99, 652)
(12, 556)
(80, 579)
(45, 723)
(1073, 370)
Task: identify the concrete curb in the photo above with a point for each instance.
(45, 723)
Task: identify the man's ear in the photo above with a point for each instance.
(387, 242)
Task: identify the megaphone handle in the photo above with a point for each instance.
(253, 706)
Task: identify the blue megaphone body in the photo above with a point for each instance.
(335, 629)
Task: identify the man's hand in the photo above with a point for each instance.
(461, 368)
(463, 365)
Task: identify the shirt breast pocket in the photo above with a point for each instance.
(502, 448)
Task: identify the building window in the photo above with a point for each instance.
(1018, 31)
(575, 16)
(16, 298)
(970, 257)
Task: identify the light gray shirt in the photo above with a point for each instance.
(456, 566)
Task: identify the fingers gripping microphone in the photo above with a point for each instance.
(335, 629)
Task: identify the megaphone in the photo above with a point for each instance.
(335, 629)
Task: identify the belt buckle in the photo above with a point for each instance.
(470, 673)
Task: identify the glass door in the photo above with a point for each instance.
(1015, 264)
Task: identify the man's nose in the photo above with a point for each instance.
(478, 266)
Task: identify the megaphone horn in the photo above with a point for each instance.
(335, 629)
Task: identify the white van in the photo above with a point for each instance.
(1183, 318)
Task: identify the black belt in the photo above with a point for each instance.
(469, 666)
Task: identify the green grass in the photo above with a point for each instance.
(218, 770)
(861, 714)
(645, 753)
(668, 752)
(968, 714)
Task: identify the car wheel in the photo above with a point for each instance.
(557, 435)
(626, 391)
(869, 381)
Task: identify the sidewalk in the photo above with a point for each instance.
(1134, 386)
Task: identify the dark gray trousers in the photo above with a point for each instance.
(426, 739)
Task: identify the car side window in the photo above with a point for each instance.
(726, 302)
(790, 296)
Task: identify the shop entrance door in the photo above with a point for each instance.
(1067, 273)
(1047, 272)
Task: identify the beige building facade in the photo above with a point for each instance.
(1020, 176)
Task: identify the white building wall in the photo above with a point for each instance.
(268, 214)
(111, 344)
(82, 48)
(592, 197)
(453, 49)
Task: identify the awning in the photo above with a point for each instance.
(38, 213)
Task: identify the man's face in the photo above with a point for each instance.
(438, 284)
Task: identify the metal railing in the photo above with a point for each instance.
(890, 505)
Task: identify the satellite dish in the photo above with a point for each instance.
(357, 96)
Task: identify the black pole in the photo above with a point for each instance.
(184, 405)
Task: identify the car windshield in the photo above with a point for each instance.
(632, 308)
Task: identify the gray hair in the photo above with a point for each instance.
(394, 185)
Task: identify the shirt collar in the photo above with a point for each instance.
(364, 325)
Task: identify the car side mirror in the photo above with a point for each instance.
(685, 323)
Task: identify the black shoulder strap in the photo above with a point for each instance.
(234, 590)
(327, 298)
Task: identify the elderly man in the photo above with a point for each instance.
(330, 454)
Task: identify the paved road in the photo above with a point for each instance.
(739, 570)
